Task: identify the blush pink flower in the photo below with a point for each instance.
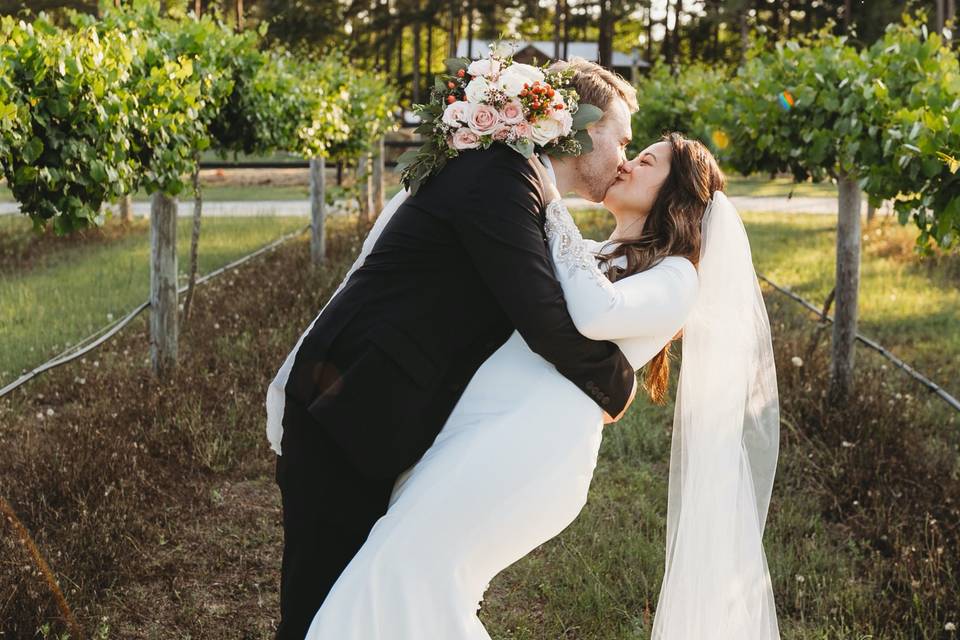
(522, 129)
(464, 138)
(483, 119)
(502, 134)
(512, 112)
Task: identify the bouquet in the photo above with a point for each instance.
(496, 100)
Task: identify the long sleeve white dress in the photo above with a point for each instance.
(511, 467)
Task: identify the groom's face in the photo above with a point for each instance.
(598, 170)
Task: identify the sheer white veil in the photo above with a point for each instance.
(276, 397)
(724, 452)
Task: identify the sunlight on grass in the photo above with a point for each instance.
(70, 294)
(909, 308)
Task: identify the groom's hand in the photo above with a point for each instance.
(606, 416)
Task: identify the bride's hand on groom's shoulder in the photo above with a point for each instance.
(550, 190)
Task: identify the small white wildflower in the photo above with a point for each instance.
(800, 578)
(797, 361)
(39, 415)
(216, 325)
(96, 363)
(110, 317)
(49, 412)
(950, 626)
(856, 503)
(846, 445)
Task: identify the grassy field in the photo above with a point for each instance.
(175, 518)
(68, 293)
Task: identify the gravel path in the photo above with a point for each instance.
(776, 204)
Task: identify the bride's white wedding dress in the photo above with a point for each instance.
(511, 467)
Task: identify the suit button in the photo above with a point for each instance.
(590, 385)
(605, 401)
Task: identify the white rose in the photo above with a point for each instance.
(564, 118)
(456, 114)
(484, 67)
(532, 73)
(546, 130)
(477, 90)
(513, 78)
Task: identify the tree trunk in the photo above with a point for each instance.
(604, 41)
(667, 45)
(556, 30)
(871, 212)
(239, 15)
(677, 51)
(318, 243)
(566, 28)
(416, 56)
(649, 33)
(378, 177)
(429, 51)
(744, 34)
(400, 55)
(194, 240)
(470, 29)
(364, 194)
(126, 209)
(941, 15)
(452, 29)
(847, 287)
(163, 284)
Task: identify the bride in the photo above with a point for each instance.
(512, 466)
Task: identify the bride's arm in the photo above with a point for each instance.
(649, 303)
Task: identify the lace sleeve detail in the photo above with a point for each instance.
(653, 302)
(570, 250)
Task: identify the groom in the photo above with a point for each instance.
(462, 264)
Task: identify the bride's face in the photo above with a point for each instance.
(640, 179)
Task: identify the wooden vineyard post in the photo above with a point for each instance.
(163, 283)
(378, 177)
(317, 210)
(848, 285)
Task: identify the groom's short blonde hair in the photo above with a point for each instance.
(598, 85)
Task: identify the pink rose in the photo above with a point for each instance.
(512, 112)
(502, 134)
(483, 119)
(522, 129)
(464, 138)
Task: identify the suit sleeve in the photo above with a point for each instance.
(498, 222)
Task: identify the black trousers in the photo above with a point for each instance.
(329, 508)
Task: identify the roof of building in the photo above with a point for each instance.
(583, 49)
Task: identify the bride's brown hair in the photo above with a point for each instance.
(672, 228)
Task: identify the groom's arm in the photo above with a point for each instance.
(498, 222)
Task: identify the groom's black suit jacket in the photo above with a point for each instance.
(461, 264)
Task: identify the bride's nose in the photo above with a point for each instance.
(626, 166)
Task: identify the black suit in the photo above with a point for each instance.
(460, 266)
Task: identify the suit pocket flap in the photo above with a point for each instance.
(396, 344)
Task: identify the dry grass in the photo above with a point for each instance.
(155, 503)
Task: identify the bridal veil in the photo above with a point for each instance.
(724, 451)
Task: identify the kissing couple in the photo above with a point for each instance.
(442, 415)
